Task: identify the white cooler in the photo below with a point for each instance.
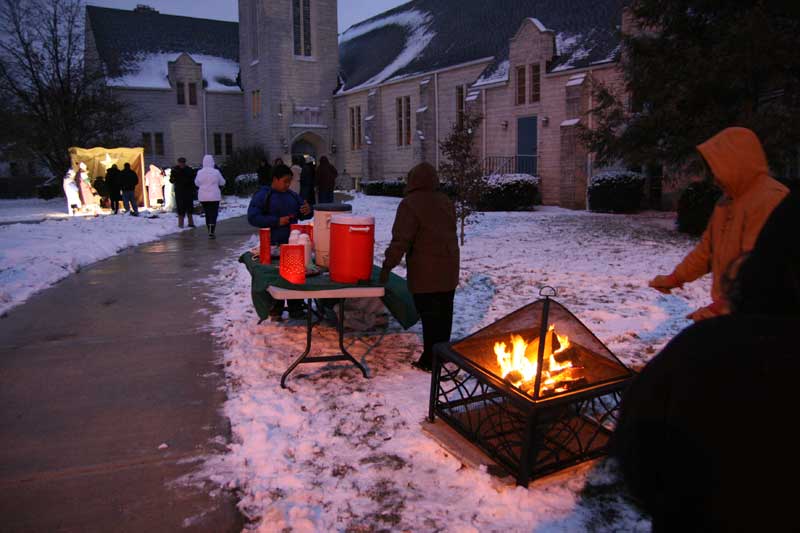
(322, 229)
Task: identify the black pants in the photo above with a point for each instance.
(211, 209)
(436, 311)
(115, 200)
(184, 201)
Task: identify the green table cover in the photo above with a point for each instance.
(397, 299)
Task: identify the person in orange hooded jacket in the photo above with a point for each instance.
(740, 169)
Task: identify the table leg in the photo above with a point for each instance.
(309, 327)
(341, 339)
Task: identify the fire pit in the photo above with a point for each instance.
(537, 391)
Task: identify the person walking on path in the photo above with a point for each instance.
(264, 173)
(307, 182)
(114, 188)
(739, 167)
(128, 180)
(326, 181)
(209, 180)
(182, 177)
(680, 440)
(424, 231)
(154, 181)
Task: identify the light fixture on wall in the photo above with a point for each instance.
(504, 124)
(333, 148)
(545, 121)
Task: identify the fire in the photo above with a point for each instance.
(518, 366)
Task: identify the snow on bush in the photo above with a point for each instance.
(616, 177)
(616, 191)
(500, 180)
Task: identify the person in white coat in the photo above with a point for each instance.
(154, 181)
(209, 180)
(71, 192)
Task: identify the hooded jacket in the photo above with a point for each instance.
(128, 178)
(738, 162)
(326, 175)
(425, 232)
(209, 180)
(154, 181)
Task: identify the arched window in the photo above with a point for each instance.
(301, 22)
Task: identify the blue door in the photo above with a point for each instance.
(527, 137)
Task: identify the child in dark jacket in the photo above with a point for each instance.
(276, 207)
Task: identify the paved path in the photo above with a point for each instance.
(95, 374)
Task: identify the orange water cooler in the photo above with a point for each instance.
(352, 245)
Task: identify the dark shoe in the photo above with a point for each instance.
(212, 236)
(297, 311)
(422, 366)
(192, 226)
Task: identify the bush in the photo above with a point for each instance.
(394, 188)
(245, 184)
(242, 161)
(695, 206)
(509, 192)
(52, 188)
(616, 192)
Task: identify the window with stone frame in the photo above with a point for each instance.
(256, 102)
(407, 111)
(192, 94)
(355, 128)
(228, 143)
(521, 86)
(254, 24)
(180, 91)
(536, 83)
(217, 144)
(460, 104)
(399, 114)
(301, 25)
(158, 137)
(147, 143)
(359, 137)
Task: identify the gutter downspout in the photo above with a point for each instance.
(483, 112)
(436, 116)
(205, 123)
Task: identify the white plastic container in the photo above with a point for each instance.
(322, 229)
(306, 242)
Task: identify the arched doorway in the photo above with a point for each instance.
(307, 145)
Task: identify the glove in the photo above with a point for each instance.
(664, 284)
(384, 277)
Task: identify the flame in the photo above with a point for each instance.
(520, 364)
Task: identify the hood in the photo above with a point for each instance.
(208, 161)
(736, 158)
(154, 168)
(422, 177)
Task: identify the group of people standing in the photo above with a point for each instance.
(83, 195)
(314, 183)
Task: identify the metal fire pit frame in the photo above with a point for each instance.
(529, 437)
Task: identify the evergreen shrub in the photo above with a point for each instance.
(616, 192)
(695, 205)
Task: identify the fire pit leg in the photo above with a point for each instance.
(436, 369)
(524, 474)
(309, 327)
(340, 327)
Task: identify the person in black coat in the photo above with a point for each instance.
(307, 182)
(705, 438)
(182, 177)
(127, 181)
(264, 173)
(113, 187)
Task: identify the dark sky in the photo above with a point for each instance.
(350, 11)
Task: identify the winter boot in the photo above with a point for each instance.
(211, 229)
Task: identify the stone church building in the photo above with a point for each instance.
(376, 99)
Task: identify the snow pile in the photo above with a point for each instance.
(616, 178)
(500, 180)
(34, 256)
(418, 36)
(339, 452)
(32, 210)
(149, 71)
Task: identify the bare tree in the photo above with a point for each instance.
(49, 97)
(462, 168)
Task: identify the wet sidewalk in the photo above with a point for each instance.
(100, 371)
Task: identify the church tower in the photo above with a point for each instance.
(289, 62)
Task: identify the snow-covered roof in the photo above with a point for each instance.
(149, 71)
(134, 47)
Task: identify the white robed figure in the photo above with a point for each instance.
(169, 191)
(71, 192)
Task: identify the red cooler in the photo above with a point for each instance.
(352, 247)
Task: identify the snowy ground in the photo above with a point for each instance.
(339, 452)
(33, 256)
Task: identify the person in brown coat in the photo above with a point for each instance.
(740, 169)
(326, 181)
(425, 232)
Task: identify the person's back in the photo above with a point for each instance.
(128, 178)
(209, 180)
(183, 178)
